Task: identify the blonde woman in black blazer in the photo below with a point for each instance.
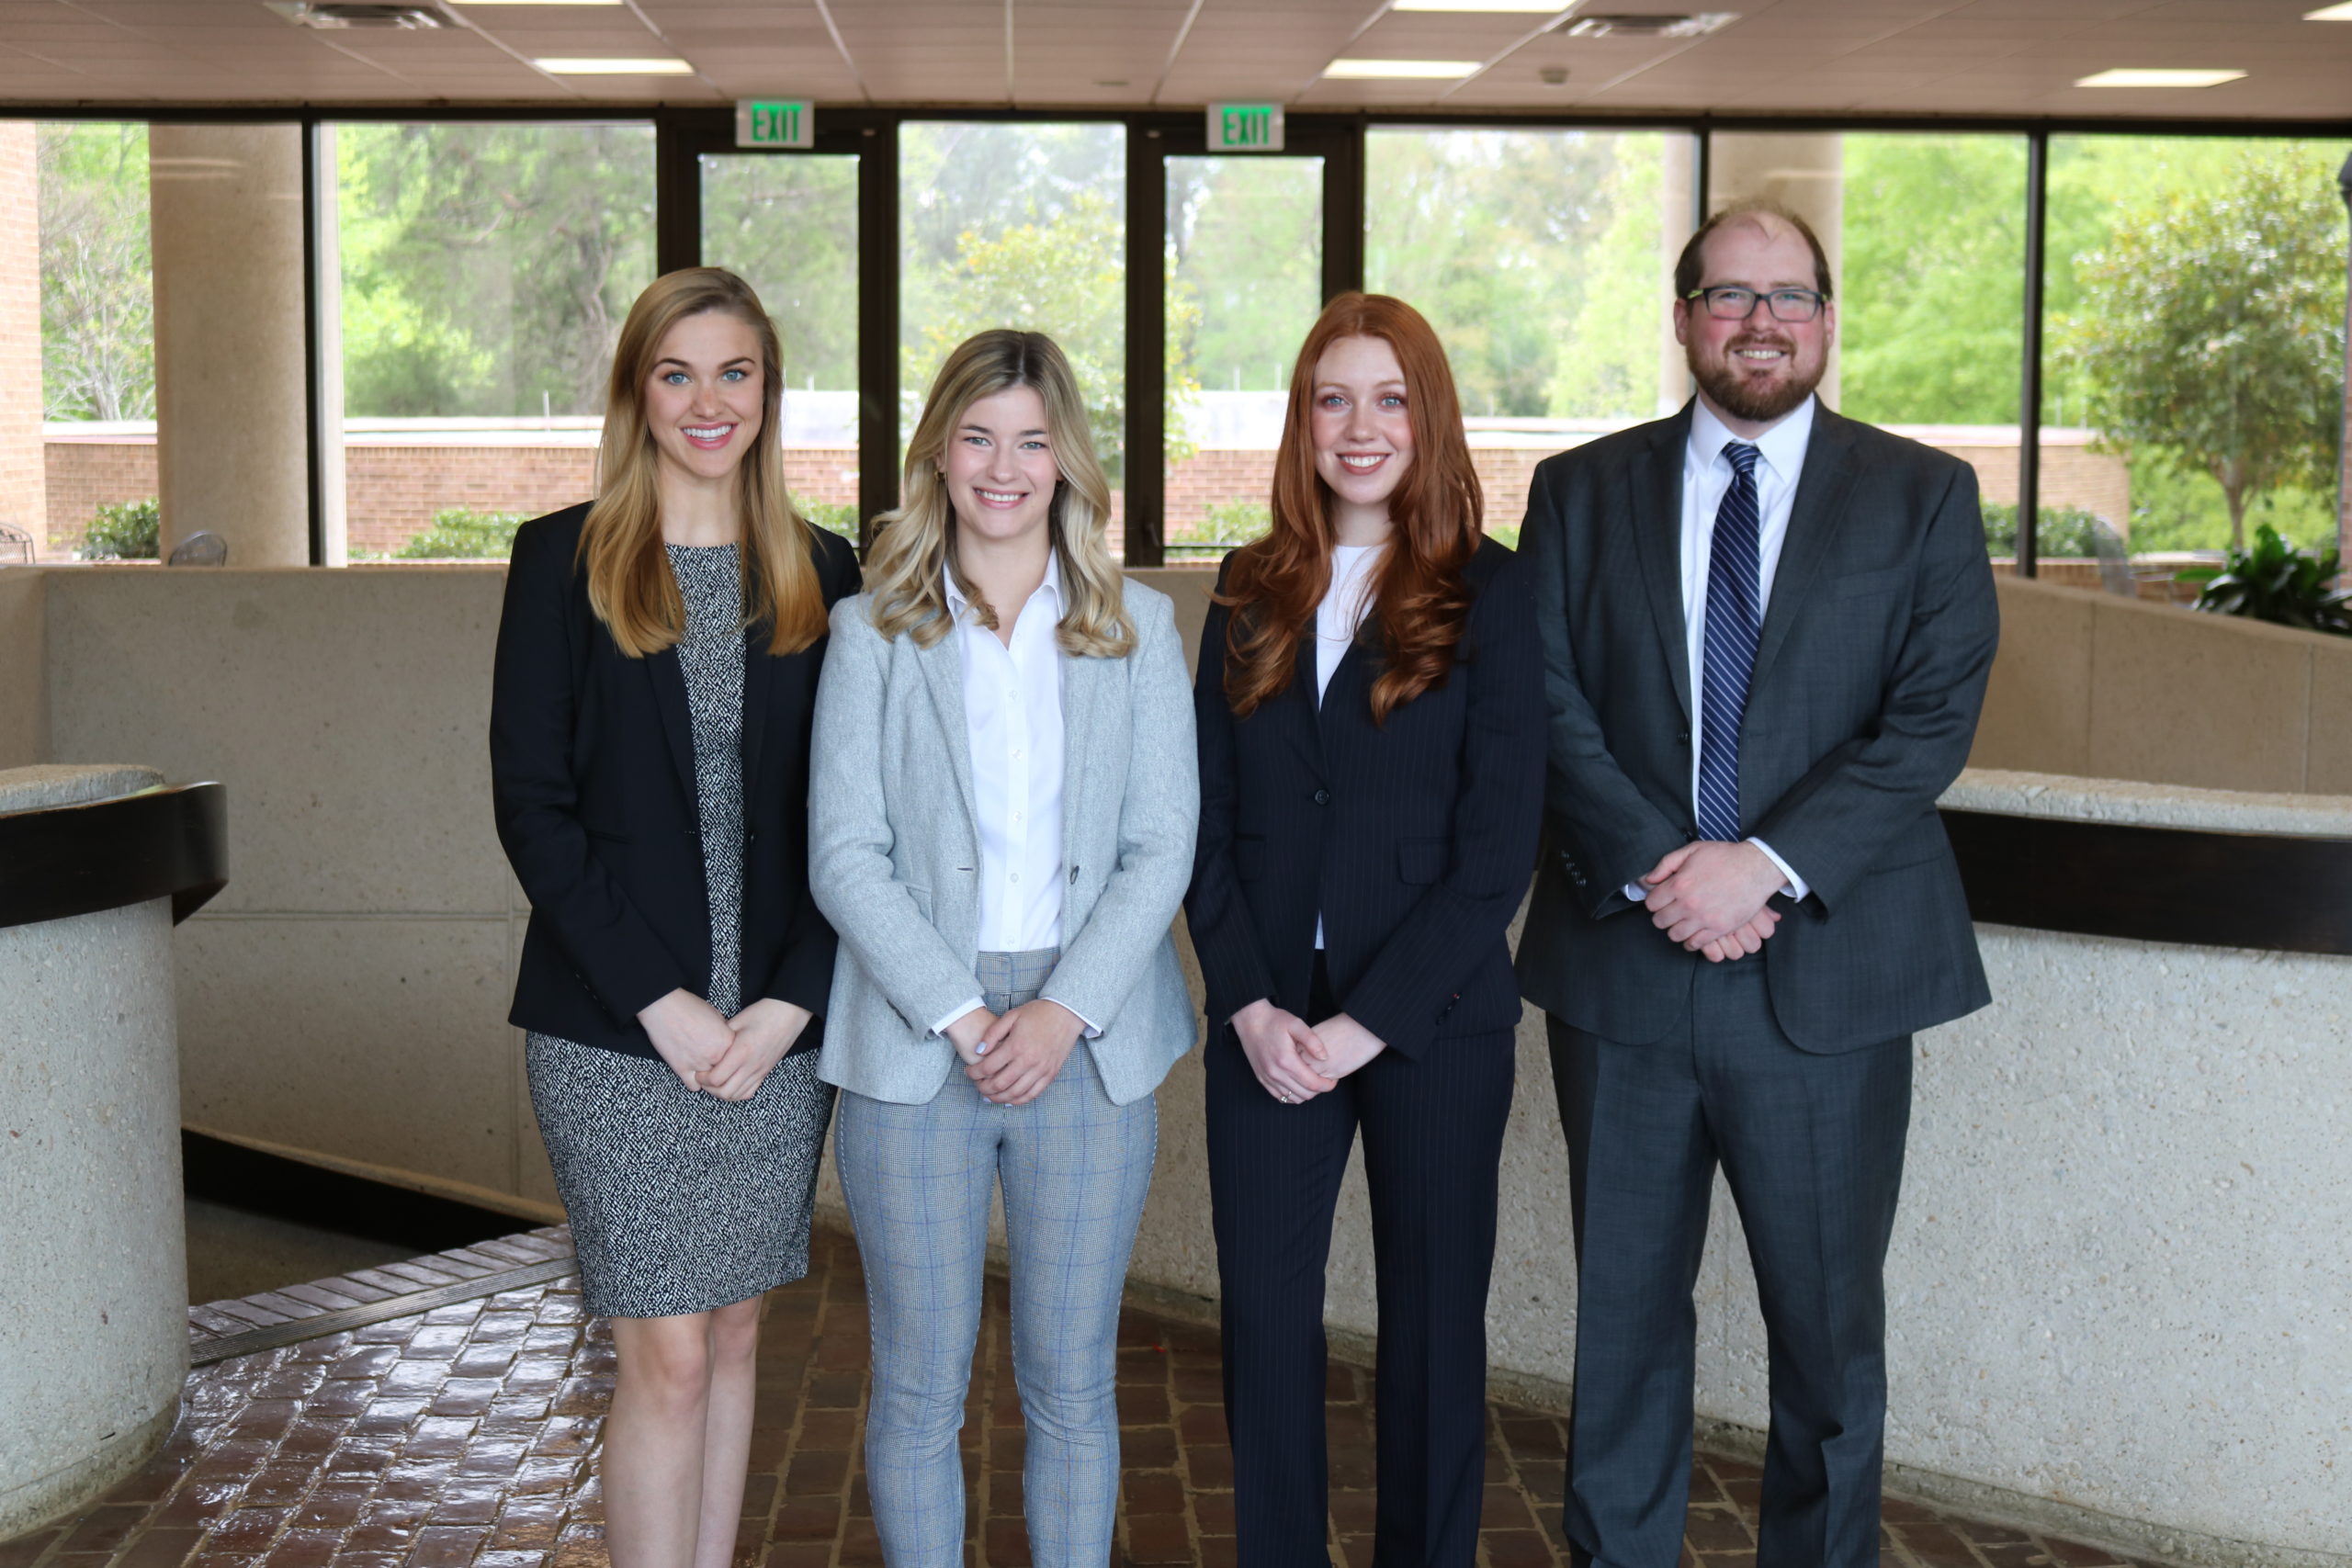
(656, 680)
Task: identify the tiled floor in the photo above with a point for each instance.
(462, 1435)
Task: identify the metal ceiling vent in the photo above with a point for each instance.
(1647, 24)
(335, 14)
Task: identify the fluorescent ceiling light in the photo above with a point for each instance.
(1525, 7)
(1398, 70)
(535, 2)
(615, 67)
(2331, 13)
(2135, 77)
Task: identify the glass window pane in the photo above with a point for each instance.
(1543, 258)
(1926, 240)
(2192, 350)
(1245, 279)
(787, 224)
(1018, 225)
(94, 451)
(486, 271)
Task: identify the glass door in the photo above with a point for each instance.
(787, 223)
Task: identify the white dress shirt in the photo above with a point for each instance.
(1706, 475)
(1012, 724)
(1345, 603)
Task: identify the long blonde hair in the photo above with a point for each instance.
(906, 567)
(630, 584)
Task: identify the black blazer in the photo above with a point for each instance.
(1415, 839)
(592, 778)
(1869, 673)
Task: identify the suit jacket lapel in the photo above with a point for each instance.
(943, 668)
(1084, 688)
(1655, 481)
(1306, 730)
(1823, 487)
(759, 675)
(669, 678)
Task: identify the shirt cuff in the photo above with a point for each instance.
(957, 1011)
(1637, 892)
(1086, 1030)
(1793, 885)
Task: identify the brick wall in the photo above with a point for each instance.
(23, 464)
(393, 489)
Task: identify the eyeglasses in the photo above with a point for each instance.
(1730, 302)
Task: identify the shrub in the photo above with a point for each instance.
(833, 516)
(2272, 580)
(127, 530)
(461, 534)
(2064, 533)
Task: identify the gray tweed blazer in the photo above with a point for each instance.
(894, 852)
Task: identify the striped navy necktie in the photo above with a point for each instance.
(1735, 615)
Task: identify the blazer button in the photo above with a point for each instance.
(1682, 737)
(1322, 798)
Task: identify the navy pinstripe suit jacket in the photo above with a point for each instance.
(1414, 839)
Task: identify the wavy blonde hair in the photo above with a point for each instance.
(916, 547)
(630, 586)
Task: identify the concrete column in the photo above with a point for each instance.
(24, 484)
(1804, 172)
(232, 412)
(1677, 211)
(92, 1253)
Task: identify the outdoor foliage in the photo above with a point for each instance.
(1535, 255)
(487, 268)
(98, 308)
(2277, 582)
(459, 534)
(2060, 533)
(789, 227)
(833, 516)
(2216, 330)
(129, 530)
(1245, 262)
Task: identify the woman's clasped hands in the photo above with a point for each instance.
(1013, 1056)
(727, 1058)
(1295, 1063)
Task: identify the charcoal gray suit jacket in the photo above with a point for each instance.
(1869, 673)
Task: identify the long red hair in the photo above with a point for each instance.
(1419, 602)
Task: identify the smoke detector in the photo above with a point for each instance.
(1648, 24)
(338, 15)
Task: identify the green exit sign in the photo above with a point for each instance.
(775, 122)
(1245, 127)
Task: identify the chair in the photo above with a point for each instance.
(206, 548)
(16, 545)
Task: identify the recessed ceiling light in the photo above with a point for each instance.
(1398, 70)
(329, 16)
(2136, 77)
(1649, 24)
(1517, 8)
(2331, 14)
(602, 66)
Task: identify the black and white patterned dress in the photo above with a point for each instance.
(680, 1201)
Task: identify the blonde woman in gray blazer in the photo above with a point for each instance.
(1001, 822)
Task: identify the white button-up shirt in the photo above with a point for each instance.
(1706, 475)
(1012, 725)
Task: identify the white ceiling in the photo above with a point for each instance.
(1903, 57)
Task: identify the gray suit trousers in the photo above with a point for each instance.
(1812, 1147)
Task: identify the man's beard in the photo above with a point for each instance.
(1741, 398)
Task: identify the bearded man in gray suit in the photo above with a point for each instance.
(1767, 635)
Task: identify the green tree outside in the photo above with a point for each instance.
(98, 300)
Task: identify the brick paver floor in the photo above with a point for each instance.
(462, 1436)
